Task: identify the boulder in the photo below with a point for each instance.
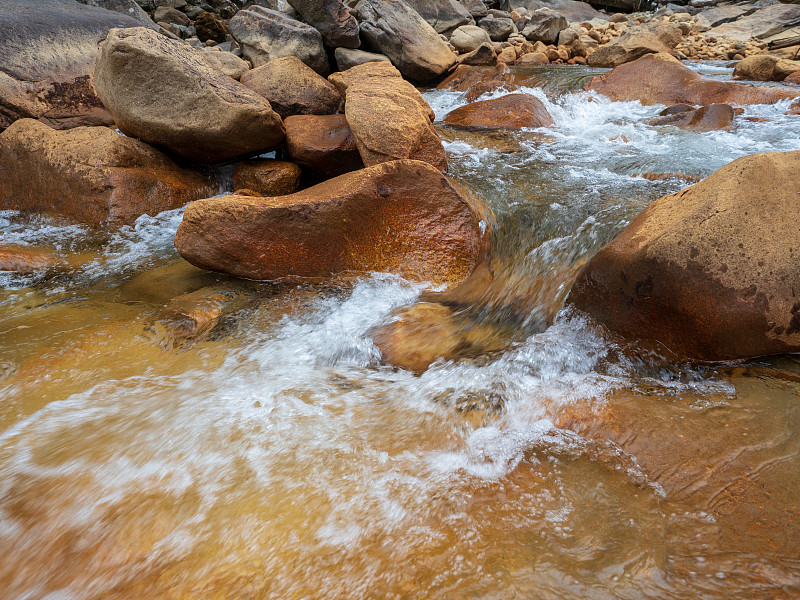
(705, 118)
(292, 88)
(709, 272)
(322, 143)
(227, 62)
(267, 176)
(469, 37)
(533, 58)
(399, 217)
(761, 24)
(483, 56)
(47, 49)
(465, 77)
(346, 58)
(765, 67)
(330, 17)
(129, 8)
(662, 79)
(498, 29)
(636, 42)
(407, 39)
(544, 26)
(389, 118)
(513, 111)
(90, 174)
(165, 93)
(476, 8)
(443, 15)
(166, 14)
(266, 34)
(793, 78)
(719, 15)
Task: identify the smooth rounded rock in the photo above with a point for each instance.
(165, 93)
(347, 58)
(292, 88)
(469, 37)
(513, 111)
(322, 143)
(330, 17)
(705, 118)
(710, 272)
(399, 217)
(764, 67)
(662, 79)
(650, 38)
(226, 62)
(267, 176)
(90, 174)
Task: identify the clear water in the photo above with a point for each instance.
(272, 455)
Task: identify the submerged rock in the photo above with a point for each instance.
(389, 118)
(292, 88)
(662, 79)
(513, 111)
(406, 38)
(267, 176)
(165, 93)
(47, 49)
(399, 217)
(322, 143)
(710, 272)
(269, 34)
(90, 174)
(26, 259)
(705, 118)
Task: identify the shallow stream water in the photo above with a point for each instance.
(269, 454)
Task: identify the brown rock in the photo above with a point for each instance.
(705, 118)
(226, 62)
(338, 27)
(650, 176)
(662, 79)
(388, 117)
(793, 78)
(483, 56)
(47, 49)
(487, 87)
(267, 176)
(323, 144)
(509, 112)
(166, 93)
(651, 38)
(399, 217)
(26, 259)
(293, 88)
(507, 55)
(210, 27)
(764, 67)
(465, 77)
(709, 272)
(90, 174)
(533, 58)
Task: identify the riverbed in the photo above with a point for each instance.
(272, 454)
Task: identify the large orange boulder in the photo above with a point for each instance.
(662, 79)
(513, 111)
(389, 118)
(90, 174)
(165, 93)
(322, 143)
(710, 272)
(400, 217)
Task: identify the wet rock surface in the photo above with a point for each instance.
(513, 111)
(323, 144)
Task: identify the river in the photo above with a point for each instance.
(271, 454)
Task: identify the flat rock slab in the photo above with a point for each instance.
(90, 175)
(719, 15)
(662, 79)
(167, 94)
(513, 111)
(710, 272)
(400, 217)
(760, 24)
(47, 49)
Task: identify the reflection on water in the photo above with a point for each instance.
(171, 433)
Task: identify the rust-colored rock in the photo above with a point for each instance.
(420, 334)
(267, 176)
(90, 174)
(705, 118)
(765, 67)
(483, 56)
(26, 259)
(710, 272)
(465, 77)
(662, 79)
(400, 217)
(293, 88)
(388, 116)
(322, 143)
(508, 112)
(166, 94)
(533, 58)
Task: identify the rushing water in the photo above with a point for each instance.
(269, 453)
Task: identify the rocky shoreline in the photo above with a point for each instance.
(330, 87)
